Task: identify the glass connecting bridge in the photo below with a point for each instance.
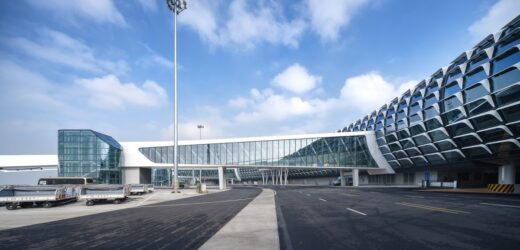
(251, 158)
(332, 150)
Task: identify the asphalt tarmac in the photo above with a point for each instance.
(179, 224)
(368, 218)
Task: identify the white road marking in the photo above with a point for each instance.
(145, 200)
(308, 194)
(355, 211)
(323, 200)
(351, 195)
(274, 192)
(499, 205)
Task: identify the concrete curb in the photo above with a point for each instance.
(255, 227)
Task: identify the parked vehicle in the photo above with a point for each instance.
(65, 181)
(15, 197)
(138, 189)
(337, 182)
(100, 192)
(150, 188)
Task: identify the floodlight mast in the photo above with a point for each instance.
(176, 6)
(200, 127)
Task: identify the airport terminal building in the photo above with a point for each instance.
(460, 124)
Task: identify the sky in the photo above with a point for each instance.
(245, 68)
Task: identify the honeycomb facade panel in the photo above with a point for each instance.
(466, 111)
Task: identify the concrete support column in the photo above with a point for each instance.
(342, 177)
(286, 174)
(131, 175)
(281, 176)
(355, 177)
(506, 174)
(272, 177)
(222, 178)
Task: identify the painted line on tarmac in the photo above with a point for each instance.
(499, 205)
(322, 200)
(350, 195)
(438, 209)
(196, 203)
(145, 200)
(308, 194)
(355, 211)
(414, 196)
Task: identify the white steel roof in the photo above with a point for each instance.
(27, 161)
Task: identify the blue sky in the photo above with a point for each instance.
(246, 68)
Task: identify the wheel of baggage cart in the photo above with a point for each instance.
(90, 203)
(47, 204)
(117, 201)
(11, 206)
(24, 205)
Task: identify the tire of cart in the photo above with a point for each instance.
(90, 203)
(47, 204)
(11, 206)
(25, 205)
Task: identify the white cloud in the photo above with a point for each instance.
(405, 86)
(329, 17)
(62, 49)
(201, 18)
(156, 60)
(370, 91)
(499, 15)
(215, 126)
(149, 5)
(239, 102)
(100, 11)
(276, 107)
(109, 92)
(360, 94)
(296, 79)
(152, 58)
(27, 91)
(267, 106)
(245, 26)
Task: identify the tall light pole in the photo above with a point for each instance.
(177, 6)
(200, 127)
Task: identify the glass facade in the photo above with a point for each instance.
(161, 177)
(86, 153)
(345, 151)
(467, 111)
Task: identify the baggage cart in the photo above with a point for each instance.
(15, 197)
(150, 188)
(138, 189)
(97, 193)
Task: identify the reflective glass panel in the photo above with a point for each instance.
(505, 61)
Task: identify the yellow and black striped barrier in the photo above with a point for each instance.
(501, 188)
